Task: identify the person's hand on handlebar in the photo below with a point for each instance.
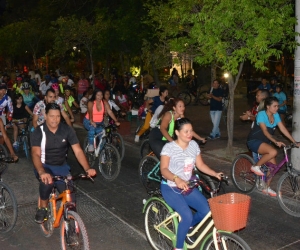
(117, 123)
(91, 172)
(219, 175)
(181, 184)
(46, 178)
(279, 144)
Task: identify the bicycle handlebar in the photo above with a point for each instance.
(197, 182)
(70, 177)
(292, 145)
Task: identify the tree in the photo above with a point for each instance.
(72, 32)
(227, 33)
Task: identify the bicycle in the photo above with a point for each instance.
(114, 138)
(73, 234)
(150, 177)
(161, 223)
(199, 96)
(109, 157)
(8, 202)
(145, 148)
(246, 181)
(23, 137)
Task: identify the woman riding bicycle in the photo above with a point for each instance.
(93, 121)
(260, 137)
(177, 161)
(164, 129)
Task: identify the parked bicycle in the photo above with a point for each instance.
(114, 138)
(161, 224)
(246, 181)
(197, 93)
(73, 234)
(108, 156)
(8, 202)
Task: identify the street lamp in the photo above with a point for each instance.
(74, 48)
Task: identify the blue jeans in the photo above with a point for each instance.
(215, 117)
(182, 204)
(92, 131)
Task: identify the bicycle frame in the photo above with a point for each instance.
(65, 198)
(154, 173)
(98, 148)
(162, 228)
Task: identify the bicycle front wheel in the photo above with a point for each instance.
(226, 241)
(243, 179)
(157, 212)
(118, 142)
(109, 162)
(8, 209)
(145, 148)
(288, 194)
(149, 181)
(73, 234)
(186, 97)
(89, 156)
(203, 99)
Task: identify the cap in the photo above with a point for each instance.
(25, 85)
(54, 86)
(3, 86)
(67, 88)
(19, 78)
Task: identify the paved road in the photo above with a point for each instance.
(112, 210)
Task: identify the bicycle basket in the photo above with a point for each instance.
(230, 211)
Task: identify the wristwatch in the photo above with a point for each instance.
(174, 177)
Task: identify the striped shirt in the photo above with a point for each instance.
(182, 161)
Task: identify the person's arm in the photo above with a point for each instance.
(70, 112)
(7, 141)
(66, 117)
(247, 116)
(76, 104)
(206, 169)
(34, 120)
(198, 137)
(80, 156)
(165, 120)
(36, 159)
(110, 113)
(90, 112)
(287, 134)
(28, 110)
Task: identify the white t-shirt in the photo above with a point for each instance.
(38, 78)
(83, 105)
(154, 120)
(182, 161)
(112, 104)
(70, 82)
(44, 87)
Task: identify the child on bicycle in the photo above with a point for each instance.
(177, 161)
(21, 114)
(260, 137)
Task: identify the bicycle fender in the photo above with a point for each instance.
(158, 199)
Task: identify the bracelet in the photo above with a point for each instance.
(174, 178)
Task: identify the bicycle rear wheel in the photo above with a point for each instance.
(3, 152)
(8, 209)
(155, 213)
(151, 183)
(288, 194)
(226, 241)
(186, 97)
(109, 162)
(243, 179)
(73, 234)
(145, 148)
(90, 156)
(203, 99)
(118, 142)
(47, 226)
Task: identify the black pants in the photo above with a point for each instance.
(156, 142)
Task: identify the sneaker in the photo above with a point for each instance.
(270, 192)
(137, 138)
(210, 137)
(16, 145)
(41, 215)
(217, 136)
(91, 148)
(256, 170)
(190, 239)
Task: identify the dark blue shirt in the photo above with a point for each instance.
(156, 103)
(214, 104)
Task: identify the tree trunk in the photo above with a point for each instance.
(232, 83)
(34, 60)
(213, 72)
(155, 75)
(92, 67)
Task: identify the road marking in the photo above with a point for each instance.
(288, 245)
(98, 203)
